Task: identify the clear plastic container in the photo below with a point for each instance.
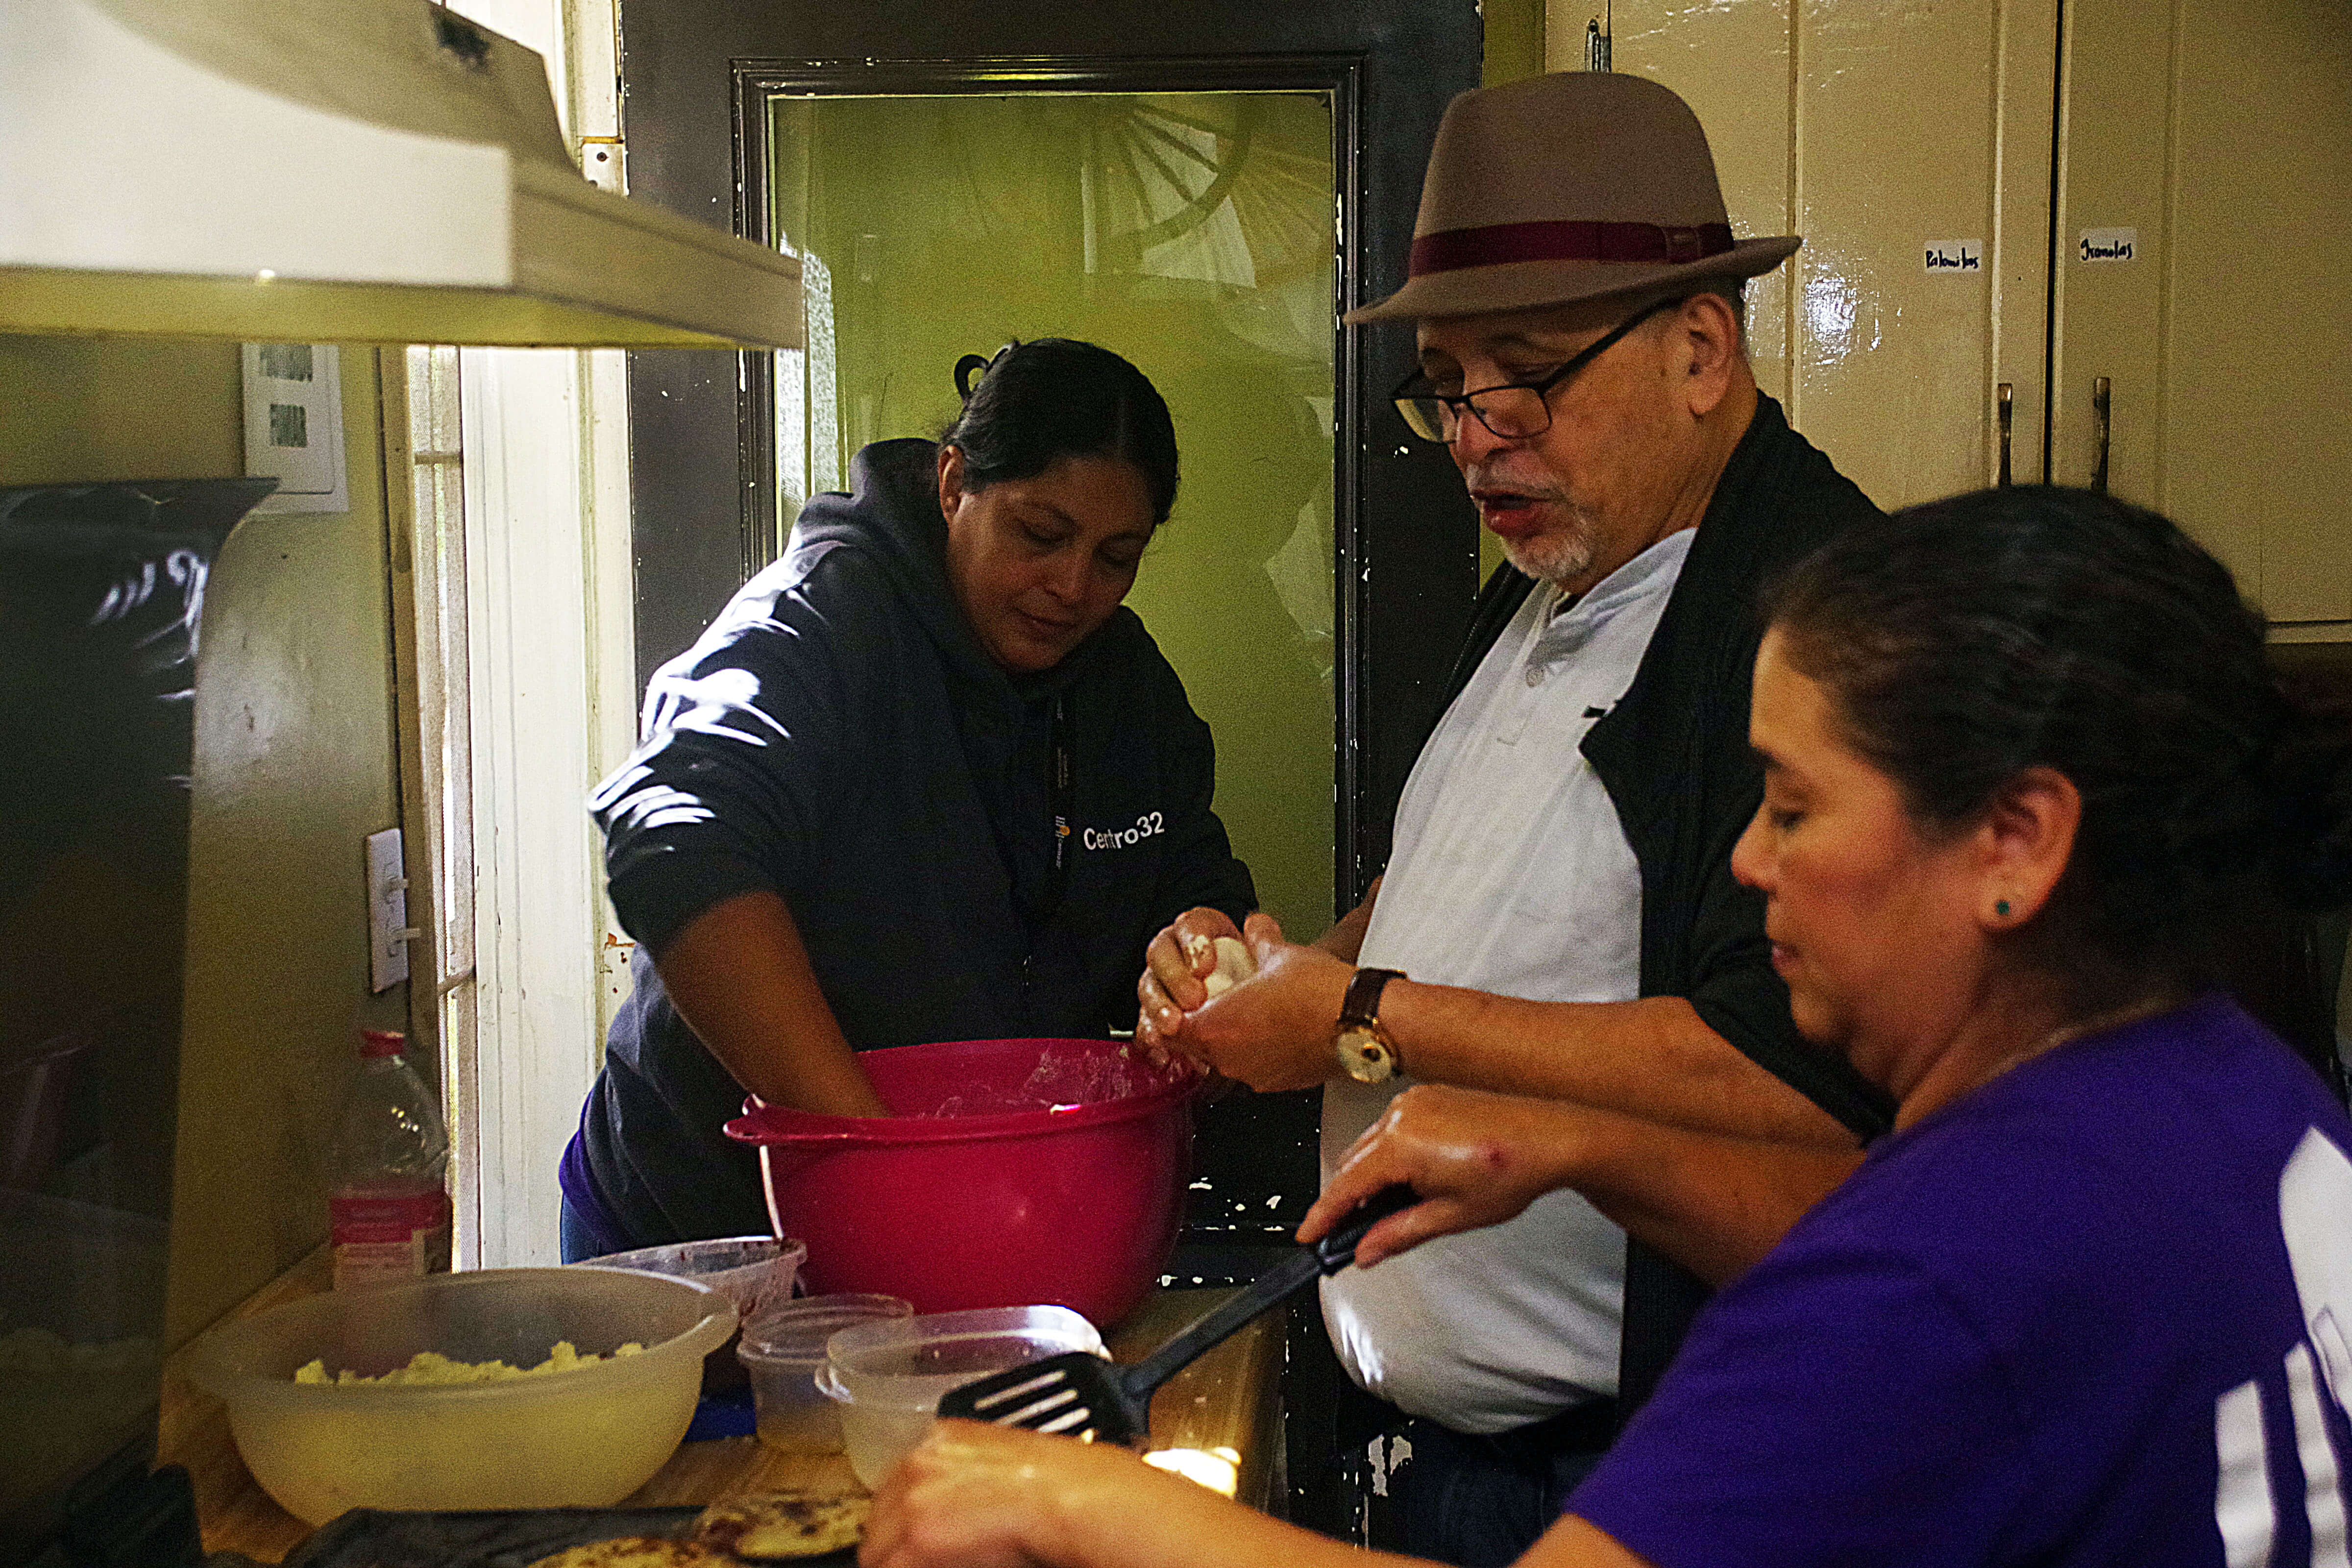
(755, 1272)
(584, 1437)
(783, 1350)
(888, 1378)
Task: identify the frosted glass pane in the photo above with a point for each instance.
(1191, 233)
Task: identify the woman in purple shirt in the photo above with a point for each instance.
(2091, 1302)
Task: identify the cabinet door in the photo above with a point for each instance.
(2210, 140)
(1910, 145)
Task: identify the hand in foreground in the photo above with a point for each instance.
(1476, 1159)
(1175, 964)
(975, 1496)
(1272, 1031)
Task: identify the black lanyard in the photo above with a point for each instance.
(1062, 781)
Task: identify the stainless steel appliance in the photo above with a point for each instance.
(101, 602)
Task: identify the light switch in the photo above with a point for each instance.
(389, 933)
(294, 425)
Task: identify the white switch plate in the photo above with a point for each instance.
(294, 425)
(387, 893)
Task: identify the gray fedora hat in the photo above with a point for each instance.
(1567, 187)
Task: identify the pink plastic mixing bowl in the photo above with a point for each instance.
(1011, 1173)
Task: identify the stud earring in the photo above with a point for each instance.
(2000, 908)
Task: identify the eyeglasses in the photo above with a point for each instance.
(1513, 410)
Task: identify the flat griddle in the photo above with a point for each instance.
(509, 1538)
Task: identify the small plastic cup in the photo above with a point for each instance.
(783, 1350)
(888, 1378)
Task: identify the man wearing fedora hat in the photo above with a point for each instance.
(1559, 917)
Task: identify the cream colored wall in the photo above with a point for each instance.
(294, 766)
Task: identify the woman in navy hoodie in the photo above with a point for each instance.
(924, 779)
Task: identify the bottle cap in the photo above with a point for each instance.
(382, 1042)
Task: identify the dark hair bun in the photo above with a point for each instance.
(1051, 398)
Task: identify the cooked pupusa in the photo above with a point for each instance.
(636, 1551)
(772, 1526)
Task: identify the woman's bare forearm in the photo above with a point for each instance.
(1714, 1203)
(1178, 1530)
(740, 978)
(968, 1496)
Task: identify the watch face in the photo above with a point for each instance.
(1364, 1056)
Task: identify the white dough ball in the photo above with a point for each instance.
(1234, 965)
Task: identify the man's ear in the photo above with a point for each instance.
(2024, 841)
(1709, 336)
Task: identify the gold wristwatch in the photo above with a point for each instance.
(1365, 1051)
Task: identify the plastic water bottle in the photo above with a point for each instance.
(389, 1213)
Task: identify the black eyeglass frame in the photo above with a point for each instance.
(1422, 420)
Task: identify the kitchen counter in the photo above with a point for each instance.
(1218, 1420)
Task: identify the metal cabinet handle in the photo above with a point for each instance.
(2007, 394)
(2101, 421)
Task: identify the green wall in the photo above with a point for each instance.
(1514, 40)
(1513, 50)
(294, 766)
(1190, 233)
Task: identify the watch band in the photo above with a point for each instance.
(1361, 1005)
(1365, 1051)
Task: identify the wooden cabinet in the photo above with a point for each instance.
(2221, 135)
(1995, 195)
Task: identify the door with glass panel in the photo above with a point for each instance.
(1203, 185)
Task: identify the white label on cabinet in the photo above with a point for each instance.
(1955, 255)
(2107, 245)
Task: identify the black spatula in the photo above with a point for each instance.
(1076, 1394)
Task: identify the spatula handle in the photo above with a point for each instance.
(1329, 1255)
(1336, 1250)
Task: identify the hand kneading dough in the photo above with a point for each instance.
(1233, 962)
(636, 1551)
(1233, 966)
(769, 1525)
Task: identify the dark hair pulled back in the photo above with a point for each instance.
(1056, 398)
(1971, 639)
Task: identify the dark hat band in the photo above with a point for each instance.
(1567, 241)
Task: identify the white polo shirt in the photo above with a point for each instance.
(1510, 874)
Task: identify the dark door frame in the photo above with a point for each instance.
(1406, 536)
